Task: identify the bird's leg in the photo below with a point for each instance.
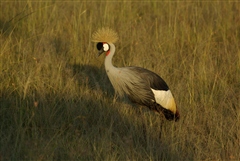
(144, 130)
(139, 114)
(160, 131)
(139, 110)
(115, 98)
(142, 123)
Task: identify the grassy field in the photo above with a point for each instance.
(57, 103)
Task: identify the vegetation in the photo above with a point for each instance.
(58, 104)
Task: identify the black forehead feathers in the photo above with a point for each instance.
(99, 45)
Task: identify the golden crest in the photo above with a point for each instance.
(105, 35)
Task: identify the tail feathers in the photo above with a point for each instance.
(169, 115)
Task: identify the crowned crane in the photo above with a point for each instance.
(140, 85)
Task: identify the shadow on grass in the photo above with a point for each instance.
(95, 78)
(5, 27)
(85, 128)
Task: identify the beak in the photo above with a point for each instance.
(100, 52)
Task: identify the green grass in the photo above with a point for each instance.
(58, 104)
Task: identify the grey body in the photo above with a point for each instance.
(137, 82)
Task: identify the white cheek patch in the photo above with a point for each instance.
(105, 47)
(165, 99)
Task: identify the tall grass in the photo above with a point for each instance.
(57, 103)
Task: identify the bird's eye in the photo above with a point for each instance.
(99, 45)
(105, 47)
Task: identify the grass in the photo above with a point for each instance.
(58, 104)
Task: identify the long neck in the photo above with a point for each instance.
(108, 60)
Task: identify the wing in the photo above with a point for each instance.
(154, 80)
(155, 93)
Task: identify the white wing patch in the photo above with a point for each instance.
(165, 99)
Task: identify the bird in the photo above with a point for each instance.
(141, 85)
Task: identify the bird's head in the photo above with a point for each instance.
(103, 47)
(103, 37)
